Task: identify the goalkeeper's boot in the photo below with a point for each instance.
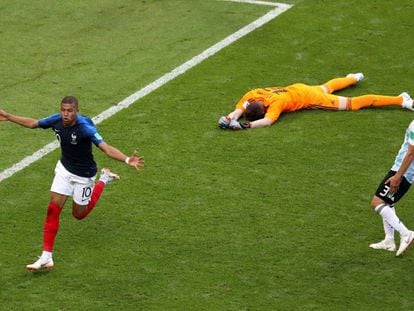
(407, 101)
(359, 76)
(406, 240)
(107, 176)
(387, 244)
(41, 264)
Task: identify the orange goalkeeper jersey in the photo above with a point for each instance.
(277, 100)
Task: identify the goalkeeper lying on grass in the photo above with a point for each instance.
(262, 107)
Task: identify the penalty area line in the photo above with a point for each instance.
(128, 101)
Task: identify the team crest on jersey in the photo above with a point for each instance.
(73, 139)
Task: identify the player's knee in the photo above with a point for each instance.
(376, 201)
(325, 88)
(79, 216)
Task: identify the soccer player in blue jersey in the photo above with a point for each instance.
(76, 170)
(391, 189)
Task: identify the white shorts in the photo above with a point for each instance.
(66, 183)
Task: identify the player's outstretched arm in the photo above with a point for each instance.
(261, 123)
(134, 160)
(23, 121)
(236, 114)
(235, 125)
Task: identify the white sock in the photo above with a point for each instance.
(388, 214)
(46, 255)
(388, 229)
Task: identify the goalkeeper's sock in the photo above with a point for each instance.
(51, 226)
(339, 84)
(96, 194)
(375, 101)
(388, 214)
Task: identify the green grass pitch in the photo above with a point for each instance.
(267, 219)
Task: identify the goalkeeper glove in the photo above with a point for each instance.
(234, 125)
(224, 122)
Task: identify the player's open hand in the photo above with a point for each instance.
(394, 183)
(3, 115)
(135, 160)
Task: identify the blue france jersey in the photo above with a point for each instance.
(408, 140)
(75, 142)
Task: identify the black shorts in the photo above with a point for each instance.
(383, 190)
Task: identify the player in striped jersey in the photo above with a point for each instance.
(391, 189)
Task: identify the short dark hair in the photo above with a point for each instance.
(254, 111)
(70, 100)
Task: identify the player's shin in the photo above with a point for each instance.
(96, 194)
(374, 101)
(51, 226)
(388, 229)
(388, 214)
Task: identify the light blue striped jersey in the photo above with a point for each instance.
(408, 140)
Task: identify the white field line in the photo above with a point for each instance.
(280, 8)
(281, 5)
